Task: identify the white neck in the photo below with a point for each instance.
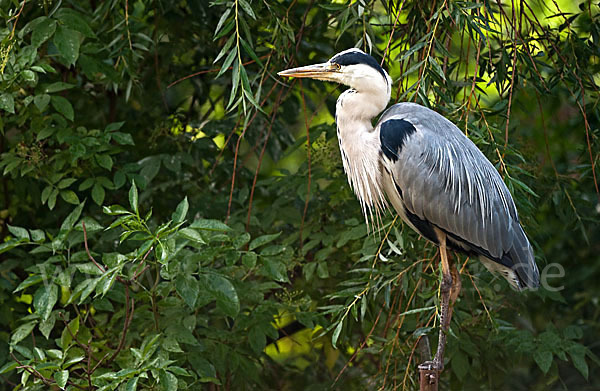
(360, 145)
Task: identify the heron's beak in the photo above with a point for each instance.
(325, 71)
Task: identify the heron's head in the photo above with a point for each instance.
(352, 67)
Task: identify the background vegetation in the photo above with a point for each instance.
(169, 207)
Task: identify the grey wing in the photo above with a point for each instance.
(443, 180)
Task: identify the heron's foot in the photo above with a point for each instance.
(433, 365)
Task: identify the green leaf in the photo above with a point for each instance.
(58, 86)
(63, 106)
(44, 300)
(21, 332)
(188, 288)
(77, 22)
(247, 8)
(150, 167)
(192, 234)
(261, 240)
(7, 102)
(257, 339)
(45, 133)
(37, 235)
(98, 194)
(275, 269)
(543, 358)
(417, 310)
(61, 378)
(67, 42)
(225, 294)
(105, 161)
(52, 198)
(168, 381)
(47, 325)
(170, 344)
(133, 197)
(119, 179)
(222, 20)
(460, 364)
(210, 225)
(106, 282)
(248, 49)
(122, 138)
(274, 249)
(437, 68)
(227, 63)
(241, 240)
(28, 76)
(72, 218)
(114, 126)
(182, 334)
(132, 384)
(115, 210)
(336, 333)
(64, 183)
(69, 196)
(322, 270)
(43, 31)
(29, 281)
(18, 232)
(41, 102)
(573, 332)
(577, 353)
(225, 48)
(7, 246)
(66, 338)
(85, 289)
(9, 366)
(249, 259)
(181, 211)
(88, 268)
(229, 23)
(46, 193)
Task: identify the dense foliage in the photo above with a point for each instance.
(175, 216)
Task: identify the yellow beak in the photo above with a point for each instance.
(324, 71)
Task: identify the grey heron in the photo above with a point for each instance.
(436, 179)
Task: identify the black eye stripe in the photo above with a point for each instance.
(356, 57)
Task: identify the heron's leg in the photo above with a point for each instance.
(445, 313)
(438, 361)
(456, 286)
(437, 365)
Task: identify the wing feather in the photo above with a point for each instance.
(447, 181)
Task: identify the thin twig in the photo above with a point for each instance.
(126, 323)
(308, 161)
(387, 47)
(210, 71)
(12, 32)
(262, 152)
(136, 274)
(362, 345)
(84, 347)
(87, 250)
(32, 370)
(512, 77)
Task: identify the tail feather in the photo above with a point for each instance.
(517, 265)
(521, 255)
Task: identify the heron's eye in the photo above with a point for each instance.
(337, 67)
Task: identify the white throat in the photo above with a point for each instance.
(360, 145)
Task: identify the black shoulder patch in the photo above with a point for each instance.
(392, 134)
(356, 57)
